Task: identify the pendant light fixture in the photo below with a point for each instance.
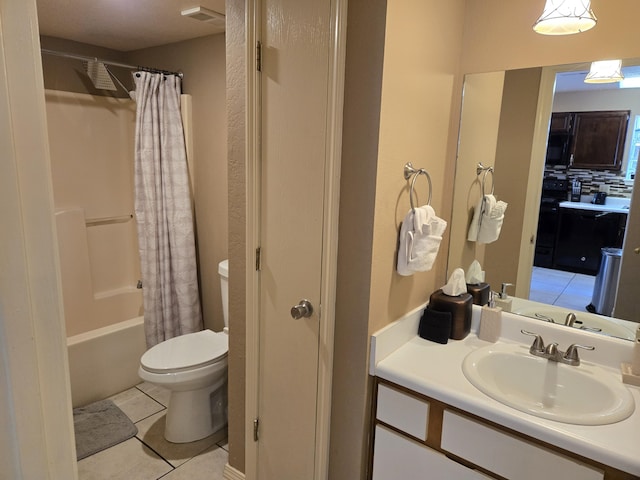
(565, 17)
(605, 71)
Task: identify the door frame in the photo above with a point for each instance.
(37, 441)
(337, 56)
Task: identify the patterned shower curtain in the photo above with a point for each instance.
(163, 211)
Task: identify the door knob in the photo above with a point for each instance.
(303, 309)
(636, 250)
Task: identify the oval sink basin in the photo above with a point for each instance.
(582, 395)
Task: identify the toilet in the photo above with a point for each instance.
(193, 367)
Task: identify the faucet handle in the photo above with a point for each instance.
(571, 355)
(538, 343)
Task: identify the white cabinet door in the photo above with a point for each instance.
(507, 455)
(397, 457)
(403, 411)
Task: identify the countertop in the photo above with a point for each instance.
(612, 204)
(400, 356)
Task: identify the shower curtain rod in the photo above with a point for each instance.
(108, 62)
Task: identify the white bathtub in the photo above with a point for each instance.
(105, 361)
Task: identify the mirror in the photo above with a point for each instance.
(505, 124)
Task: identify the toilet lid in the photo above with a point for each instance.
(186, 352)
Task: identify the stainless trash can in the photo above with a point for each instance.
(606, 283)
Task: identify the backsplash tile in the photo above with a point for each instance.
(593, 179)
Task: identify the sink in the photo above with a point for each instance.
(584, 320)
(582, 395)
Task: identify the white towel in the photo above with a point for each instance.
(487, 220)
(420, 237)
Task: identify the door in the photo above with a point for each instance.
(295, 85)
(626, 305)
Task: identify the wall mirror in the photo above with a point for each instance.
(505, 123)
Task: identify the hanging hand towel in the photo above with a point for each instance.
(420, 237)
(487, 220)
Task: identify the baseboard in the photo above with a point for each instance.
(231, 473)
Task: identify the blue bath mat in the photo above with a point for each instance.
(100, 425)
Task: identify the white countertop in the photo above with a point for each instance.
(400, 356)
(612, 204)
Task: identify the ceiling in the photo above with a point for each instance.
(125, 25)
(574, 81)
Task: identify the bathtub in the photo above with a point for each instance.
(104, 361)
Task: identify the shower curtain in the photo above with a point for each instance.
(163, 211)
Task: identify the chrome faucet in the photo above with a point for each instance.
(551, 351)
(570, 320)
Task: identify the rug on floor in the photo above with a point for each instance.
(100, 425)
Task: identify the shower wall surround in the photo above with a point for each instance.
(91, 145)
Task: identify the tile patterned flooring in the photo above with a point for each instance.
(148, 456)
(565, 289)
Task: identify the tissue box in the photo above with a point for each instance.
(459, 307)
(479, 292)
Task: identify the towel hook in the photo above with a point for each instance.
(481, 168)
(410, 171)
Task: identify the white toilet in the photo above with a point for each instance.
(194, 368)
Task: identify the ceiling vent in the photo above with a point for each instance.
(204, 15)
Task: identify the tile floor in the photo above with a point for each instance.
(148, 456)
(565, 289)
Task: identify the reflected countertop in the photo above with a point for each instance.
(612, 204)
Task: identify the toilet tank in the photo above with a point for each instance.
(223, 271)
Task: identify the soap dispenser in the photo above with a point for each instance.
(490, 321)
(504, 301)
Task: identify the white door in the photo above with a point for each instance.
(296, 84)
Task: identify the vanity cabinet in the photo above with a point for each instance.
(403, 443)
(598, 139)
(417, 437)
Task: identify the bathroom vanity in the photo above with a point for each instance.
(429, 420)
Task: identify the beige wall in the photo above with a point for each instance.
(512, 166)
(419, 91)
(403, 116)
(363, 86)
(203, 63)
(498, 36)
(480, 120)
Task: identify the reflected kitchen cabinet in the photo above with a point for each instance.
(561, 122)
(581, 236)
(598, 139)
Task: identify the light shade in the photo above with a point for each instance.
(605, 71)
(565, 17)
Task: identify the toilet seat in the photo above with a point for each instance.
(186, 352)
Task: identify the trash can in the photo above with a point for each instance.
(606, 283)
